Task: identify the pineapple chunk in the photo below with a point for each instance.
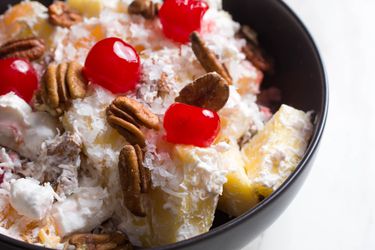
(268, 159)
(88, 8)
(273, 154)
(24, 20)
(188, 210)
(238, 192)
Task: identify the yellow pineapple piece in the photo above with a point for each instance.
(238, 192)
(88, 8)
(24, 20)
(32, 231)
(279, 147)
(48, 234)
(190, 210)
(267, 160)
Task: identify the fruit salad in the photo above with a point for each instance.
(129, 123)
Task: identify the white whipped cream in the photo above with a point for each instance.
(21, 129)
(30, 199)
(239, 115)
(82, 211)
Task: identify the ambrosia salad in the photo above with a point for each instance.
(129, 123)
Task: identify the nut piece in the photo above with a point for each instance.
(207, 58)
(29, 48)
(162, 85)
(75, 81)
(147, 8)
(132, 133)
(113, 241)
(135, 178)
(61, 15)
(249, 34)
(210, 91)
(127, 115)
(253, 52)
(61, 84)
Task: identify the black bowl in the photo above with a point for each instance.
(301, 77)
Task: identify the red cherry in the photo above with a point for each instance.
(19, 76)
(180, 18)
(113, 64)
(186, 124)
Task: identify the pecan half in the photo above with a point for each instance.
(210, 91)
(253, 52)
(135, 178)
(61, 15)
(127, 115)
(113, 241)
(207, 58)
(61, 84)
(29, 48)
(249, 34)
(147, 8)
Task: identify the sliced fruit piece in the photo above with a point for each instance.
(266, 161)
(238, 194)
(188, 211)
(274, 153)
(26, 19)
(88, 8)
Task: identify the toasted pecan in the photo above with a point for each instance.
(51, 86)
(147, 8)
(75, 81)
(128, 130)
(210, 91)
(61, 15)
(31, 48)
(135, 178)
(253, 52)
(138, 111)
(113, 241)
(207, 58)
(127, 116)
(63, 93)
(145, 174)
(61, 84)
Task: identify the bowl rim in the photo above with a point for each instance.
(312, 148)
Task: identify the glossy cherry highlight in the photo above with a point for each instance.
(19, 76)
(113, 64)
(180, 18)
(186, 124)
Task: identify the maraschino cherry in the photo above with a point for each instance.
(113, 64)
(186, 124)
(19, 76)
(180, 18)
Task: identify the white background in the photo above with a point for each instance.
(335, 209)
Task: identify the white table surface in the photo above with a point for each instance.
(335, 209)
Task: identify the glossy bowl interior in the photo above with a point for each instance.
(300, 76)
